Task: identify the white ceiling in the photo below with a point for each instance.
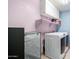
(62, 5)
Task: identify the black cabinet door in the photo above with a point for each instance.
(62, 45)
(67, 40)
(15, 43)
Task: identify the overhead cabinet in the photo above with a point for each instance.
(48, 9)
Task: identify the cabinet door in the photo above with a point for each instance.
(51, 9)
(15, 43)
(63, 45)
(48, 9)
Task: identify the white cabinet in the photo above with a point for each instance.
(32, 46)
(48, 9)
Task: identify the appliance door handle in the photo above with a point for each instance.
(13, 56)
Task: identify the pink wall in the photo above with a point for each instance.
(23, 13)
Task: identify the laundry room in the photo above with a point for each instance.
(39, 29)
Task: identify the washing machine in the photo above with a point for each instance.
(55, 44)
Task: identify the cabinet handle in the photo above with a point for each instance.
(13, 56)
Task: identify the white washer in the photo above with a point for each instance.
(55, 45)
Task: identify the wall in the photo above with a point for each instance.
(65, 18)
(23, 13)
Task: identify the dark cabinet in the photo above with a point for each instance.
(67, 41)
(62, 45)
(15, 43)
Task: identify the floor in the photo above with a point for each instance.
(31, 57)
(66, 57)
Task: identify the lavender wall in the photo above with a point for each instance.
(23, 13)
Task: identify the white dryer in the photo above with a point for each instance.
(55, 45)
